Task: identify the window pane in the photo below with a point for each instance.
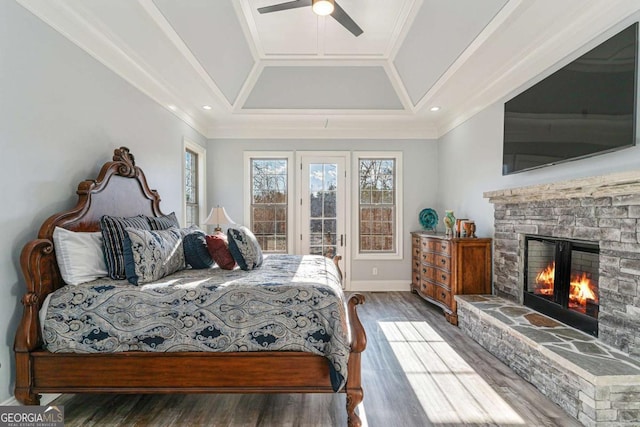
(377, 205)
(269, 195)
(191, 187)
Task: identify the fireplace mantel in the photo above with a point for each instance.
(622, 183)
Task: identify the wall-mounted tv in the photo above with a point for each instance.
(587, 107)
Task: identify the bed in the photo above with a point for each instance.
(121, 190)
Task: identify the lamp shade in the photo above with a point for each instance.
(218, 216)
(323, 7)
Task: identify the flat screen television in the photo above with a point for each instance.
(586, 108)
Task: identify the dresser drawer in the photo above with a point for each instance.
(443, 295)
(428, 289)
(441, 246)
(428, 258)
(415, 240)
(415, 252)
(442, 261)
(428, 273)
(443, 277)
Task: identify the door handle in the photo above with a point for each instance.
(341, 240)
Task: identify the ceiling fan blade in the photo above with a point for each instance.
(341, 16)
(284, 6)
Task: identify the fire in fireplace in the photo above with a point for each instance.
(561, 280)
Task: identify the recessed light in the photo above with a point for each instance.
(436, 108)
(207, 107)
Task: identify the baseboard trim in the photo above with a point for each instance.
(45, 399)
(379, 285)
(10, 402)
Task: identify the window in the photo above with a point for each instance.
(194, 179)
(269, 185)
(378, 223)
(191, 187)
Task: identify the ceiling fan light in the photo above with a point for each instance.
(322, 7)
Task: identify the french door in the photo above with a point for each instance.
(322, 194)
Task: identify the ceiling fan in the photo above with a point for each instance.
(320, 7)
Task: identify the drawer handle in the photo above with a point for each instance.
(424, 270)
(443, 295)
(444, 277)
(443, 261)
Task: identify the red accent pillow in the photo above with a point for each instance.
(219, 250)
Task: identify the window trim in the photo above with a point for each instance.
(202, 181)
(355, 207)
(289, 156)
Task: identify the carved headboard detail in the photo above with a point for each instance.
(120, 189)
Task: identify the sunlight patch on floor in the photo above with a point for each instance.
(448, 388)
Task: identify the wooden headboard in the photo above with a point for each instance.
(120, 190)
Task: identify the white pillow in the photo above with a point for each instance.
(80, 256)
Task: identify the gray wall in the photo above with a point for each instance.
(61, 115)
(420, 177)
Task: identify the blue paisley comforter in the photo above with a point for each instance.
(291, 303)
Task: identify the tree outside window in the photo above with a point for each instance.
(269, 203)
(377, 205)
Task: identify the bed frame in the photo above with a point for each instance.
(121, 189)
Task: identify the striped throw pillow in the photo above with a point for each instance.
(113, 236)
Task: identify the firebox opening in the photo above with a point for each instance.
(561, 280)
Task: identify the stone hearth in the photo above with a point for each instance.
(603, 210)
(591, 381)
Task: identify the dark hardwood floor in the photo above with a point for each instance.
(418, 370)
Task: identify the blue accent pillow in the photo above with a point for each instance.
(196, 253)
(113, 236)
(163, 222)
(244, 248)
(153, 254)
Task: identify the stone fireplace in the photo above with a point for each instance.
(593, 375)
(603, 210)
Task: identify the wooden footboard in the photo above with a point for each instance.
(39, 371)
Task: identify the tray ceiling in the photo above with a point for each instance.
(292, 74)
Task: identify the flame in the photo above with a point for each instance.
(581, 287)
(581, 290)
(544, 280)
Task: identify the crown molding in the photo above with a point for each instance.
(318, 127)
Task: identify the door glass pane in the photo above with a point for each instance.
(323, 181)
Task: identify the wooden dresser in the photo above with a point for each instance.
(443, 267)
